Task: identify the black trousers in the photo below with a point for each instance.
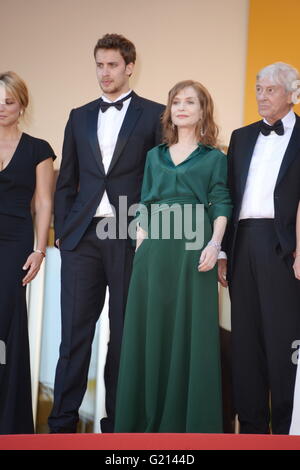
(265, 300)
(86, 272)
(16, 244)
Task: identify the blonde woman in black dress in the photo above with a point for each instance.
(26, 169)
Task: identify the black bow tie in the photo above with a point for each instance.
(277, 127)
(104, 105)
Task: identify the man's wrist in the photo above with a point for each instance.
(222, 255)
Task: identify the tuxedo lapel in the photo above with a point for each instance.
(248, 148)
(92, 124)
(292, 150)
(132, 115)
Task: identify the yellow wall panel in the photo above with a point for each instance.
(274, 35)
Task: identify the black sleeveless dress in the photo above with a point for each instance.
(17, 186)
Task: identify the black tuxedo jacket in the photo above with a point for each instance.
(286, 192)
(82, 179)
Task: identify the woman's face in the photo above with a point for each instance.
(9, 108)
(186, 111)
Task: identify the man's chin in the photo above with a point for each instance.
(107, 89)
(264, 113)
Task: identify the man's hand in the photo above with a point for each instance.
(222, 272)
(141, 234)
(296, 267)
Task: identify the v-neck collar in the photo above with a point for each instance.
(13, 155)
(191, 155)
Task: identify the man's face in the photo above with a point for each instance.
(273, 101)
(112, 72)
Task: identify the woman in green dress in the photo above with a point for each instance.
(169, 378)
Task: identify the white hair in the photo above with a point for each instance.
(283, 74)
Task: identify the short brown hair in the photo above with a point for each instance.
(120, 43)
(206, 130)
(16, 86)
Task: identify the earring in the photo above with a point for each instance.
(173, 126)
(21, 112)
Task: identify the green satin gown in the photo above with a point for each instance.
(169, 378)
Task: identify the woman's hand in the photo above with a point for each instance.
(208, 258)
(33, 264)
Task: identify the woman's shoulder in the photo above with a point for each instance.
(156, 151)
(40, 147)
(159, 148)
(214, 152)
(36, 141)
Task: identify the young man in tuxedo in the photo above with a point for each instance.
(104, 152)
(264, 179)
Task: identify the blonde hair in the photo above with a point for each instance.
(16, 86)
(206, 130)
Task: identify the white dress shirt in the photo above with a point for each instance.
(269, 150)
(258, 200)
(109, 125)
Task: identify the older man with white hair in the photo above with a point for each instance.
(264, 179)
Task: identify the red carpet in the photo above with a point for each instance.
(148, 442)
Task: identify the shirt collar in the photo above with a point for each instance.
(119, 97)
(288, 120)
